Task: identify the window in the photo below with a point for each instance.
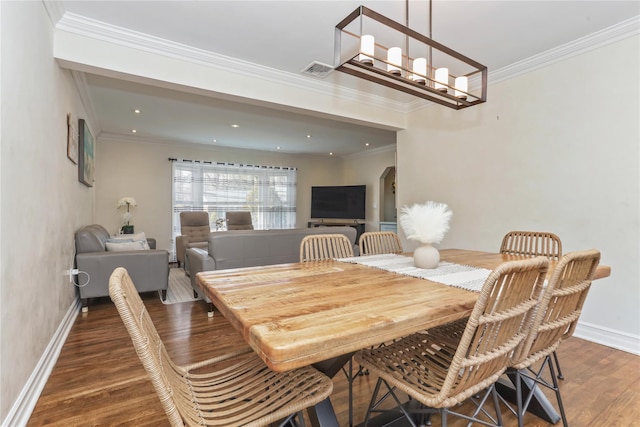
(268, 192)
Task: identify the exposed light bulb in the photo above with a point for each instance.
(394, 59)
(442, 79)
(367, 49)
(461, 86)
(420, 70)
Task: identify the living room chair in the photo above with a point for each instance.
(322, 247)
(98, 254)
(239, 220)
(533, 243)
(379, 242)
(235, 389)
(194, 232)
(438, 374)
(555, 321)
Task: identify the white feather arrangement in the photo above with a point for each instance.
(426, 223)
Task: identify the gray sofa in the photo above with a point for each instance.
(148, 268)
(250, 248)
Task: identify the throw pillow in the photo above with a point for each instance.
(138, 237)
(134, 237)
(126, 246)
(118, 240)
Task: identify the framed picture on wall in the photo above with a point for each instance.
(85, 154)
(72, 139)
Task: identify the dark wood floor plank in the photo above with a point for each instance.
(99, 380)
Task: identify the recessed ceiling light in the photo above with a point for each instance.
(215, 140)
(309, 136)
(331, 154)
(367, 144)
(133, 131)
(235, 126)
(277, 148)
(136, 110)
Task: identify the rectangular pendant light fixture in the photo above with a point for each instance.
(367, 45)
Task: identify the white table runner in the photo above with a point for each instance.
(447, 273)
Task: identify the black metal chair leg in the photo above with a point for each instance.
(556, 389)
(555, 358)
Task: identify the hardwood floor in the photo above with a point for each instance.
(99, 381)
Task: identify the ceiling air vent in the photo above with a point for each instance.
(317, 69)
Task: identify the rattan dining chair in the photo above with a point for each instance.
(534, 243)
(440, 375)
(322, 247)
(235, 389)
(555, 320)
(379, 242)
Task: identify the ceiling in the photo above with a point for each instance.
(285, 37)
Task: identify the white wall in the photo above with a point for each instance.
(142, 171)
(554, 150)
(42, 202)
(366, 168)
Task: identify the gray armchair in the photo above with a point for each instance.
(95, 263)
(194, 229)
(240, 220)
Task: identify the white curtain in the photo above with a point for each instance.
(268, 192)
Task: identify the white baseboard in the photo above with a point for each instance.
(609, 337)
(22, 408)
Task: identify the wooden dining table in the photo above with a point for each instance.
(320, 313)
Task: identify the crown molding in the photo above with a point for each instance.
(609, 35)
(615, 33)
(82, 86)
(370, 152)
(113, 137)
(80, 25)
(88, 27)
(118, 137)
(55, 10)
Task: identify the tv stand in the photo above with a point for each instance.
(359, 226)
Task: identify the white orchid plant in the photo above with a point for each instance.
(129, 202)
(426, 223)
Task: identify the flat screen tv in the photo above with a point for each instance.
(338, 202)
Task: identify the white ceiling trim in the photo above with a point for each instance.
(620, 31)
(118, 137)
(55, 10)
(131, 139)
(370, 152)
(80, 81)
(80, 25)
(615, 33)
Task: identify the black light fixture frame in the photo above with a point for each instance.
(371, 73)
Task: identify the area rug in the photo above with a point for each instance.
(180, 289)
